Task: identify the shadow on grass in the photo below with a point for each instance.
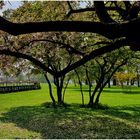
(112, 91)
(74, 122)
(130, 113)
(126, 91)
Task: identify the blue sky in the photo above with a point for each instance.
(10, 5)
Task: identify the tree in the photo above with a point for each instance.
(85, 75)
(101, 70)
(116, 34)
(46, 53)
(134, 66)
(106, 66)
(124, 77)
(108, 27)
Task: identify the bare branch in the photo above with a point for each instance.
(68, 47)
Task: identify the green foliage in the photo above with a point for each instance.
(124, 77)
(40, 11)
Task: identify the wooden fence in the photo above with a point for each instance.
(16, 86)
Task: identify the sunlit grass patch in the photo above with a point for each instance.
(30, 115)
(13, 131)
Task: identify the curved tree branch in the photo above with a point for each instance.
(95, 53)
(92, 55)
(68, 47)
(27, 57)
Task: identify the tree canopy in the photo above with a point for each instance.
(126, 26)
(60, 36)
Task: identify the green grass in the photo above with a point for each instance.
(25, 115)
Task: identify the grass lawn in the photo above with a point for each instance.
(24, 115)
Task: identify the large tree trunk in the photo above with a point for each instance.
(91, 101)
(98, 96)
(103, 84)
(58, 81)
(59, 95)
(50, 88)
